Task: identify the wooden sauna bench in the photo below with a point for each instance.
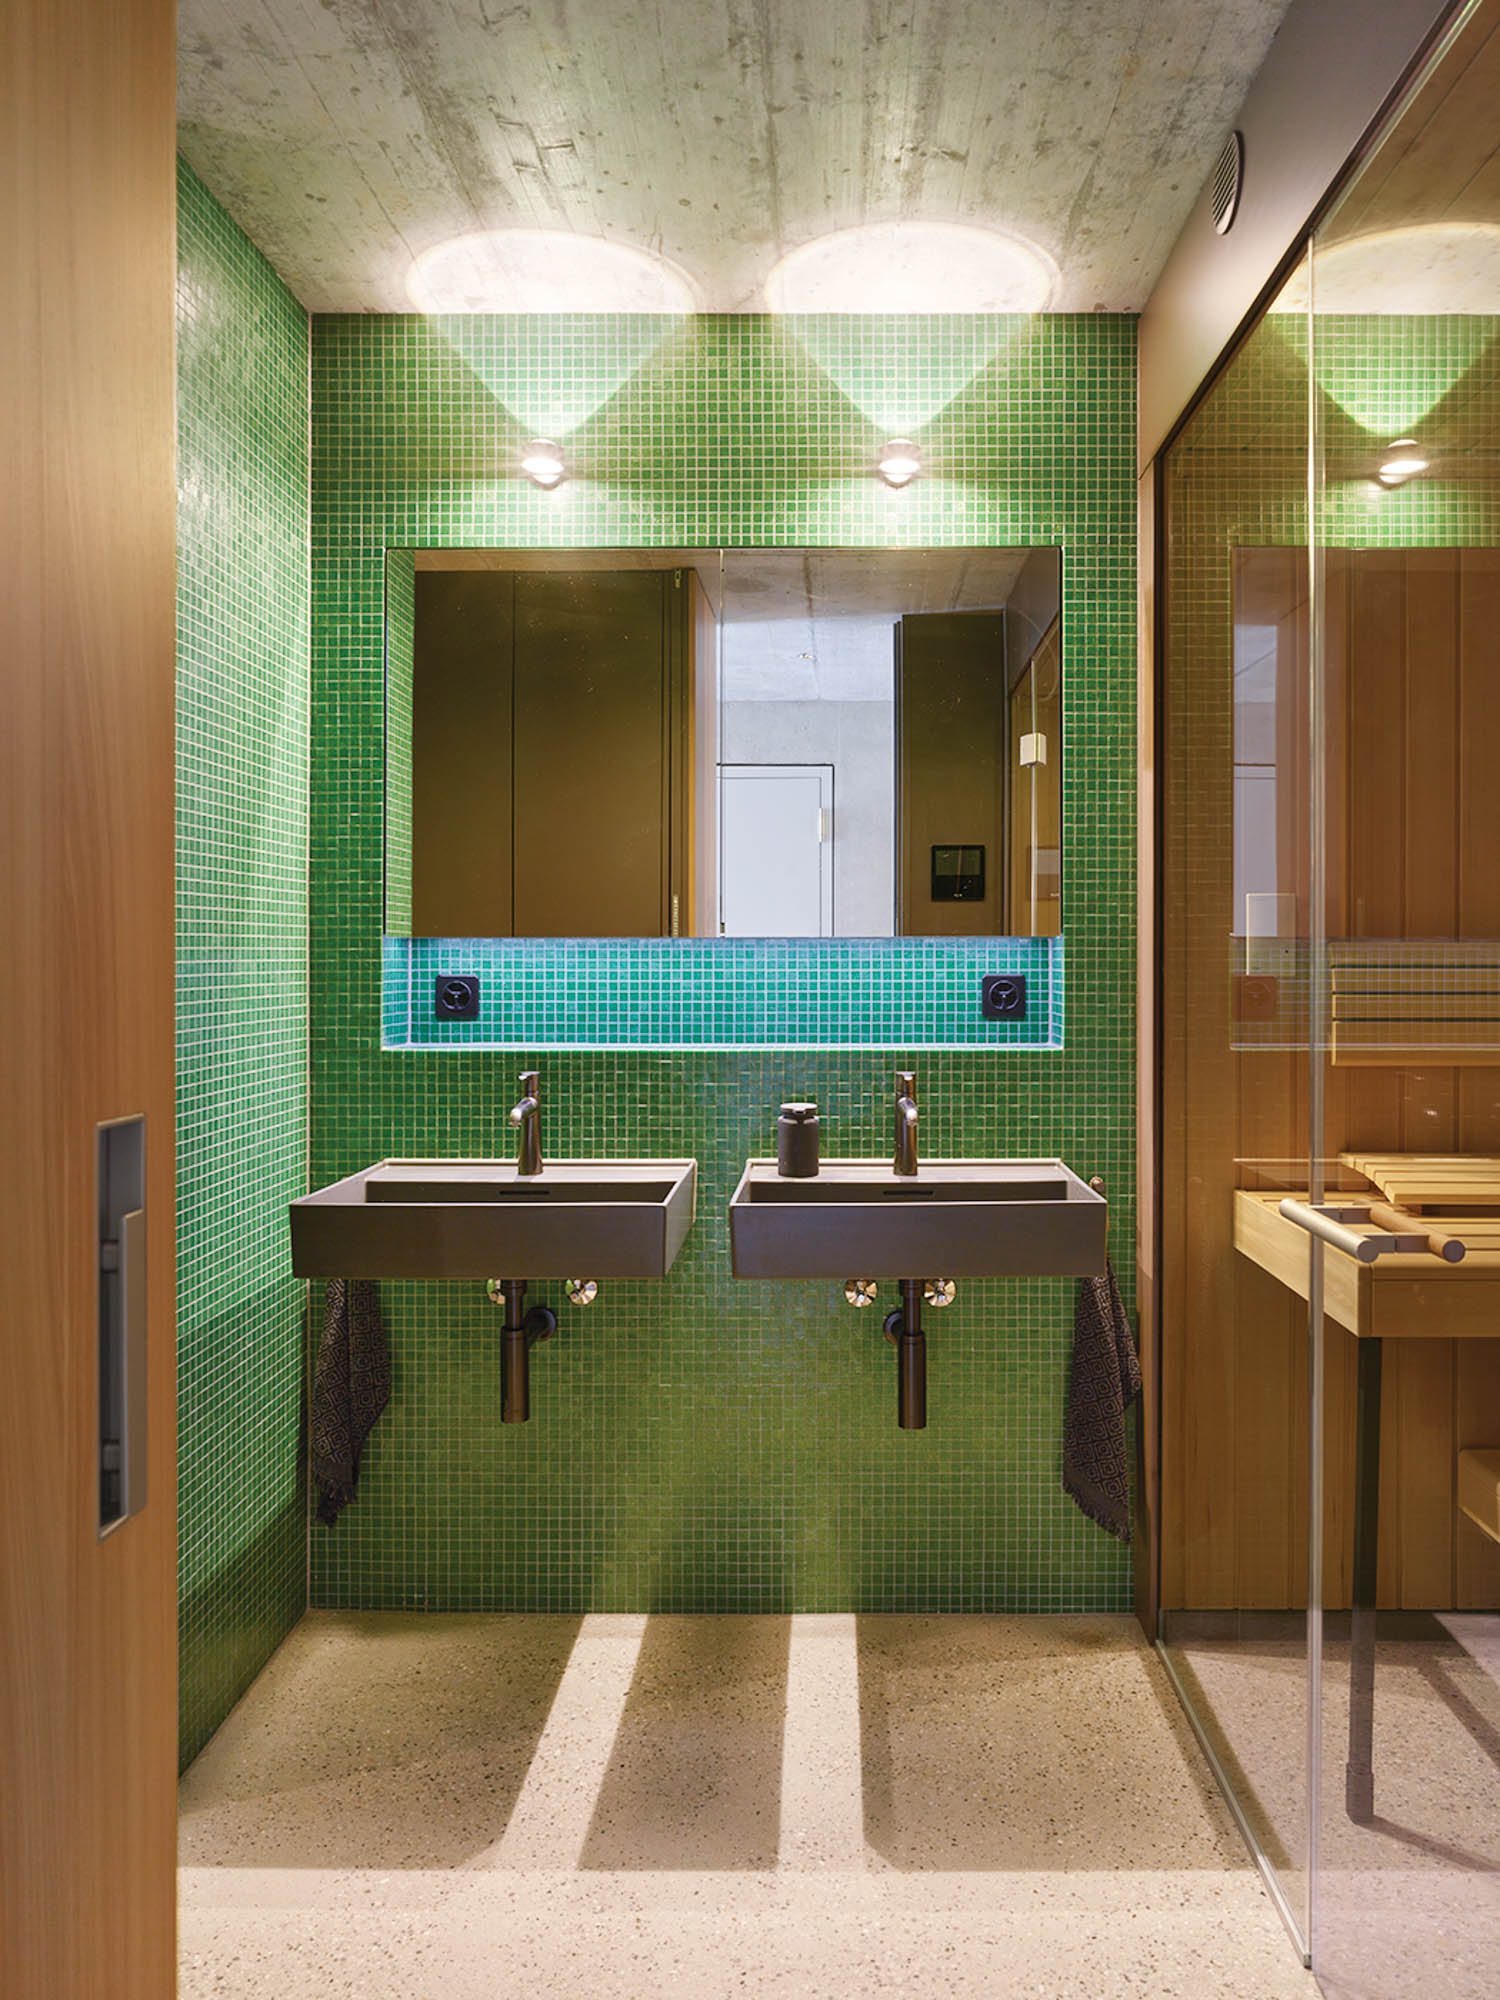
(1406, 1293)
(1407, 1296)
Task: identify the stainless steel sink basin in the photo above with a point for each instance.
(480, 1219)
(952, 1219)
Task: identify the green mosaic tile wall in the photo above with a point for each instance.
(242, 753)
(708, 1444)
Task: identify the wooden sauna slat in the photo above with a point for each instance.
(1375, 1005)
(1467, 1180)
(1479, 1489)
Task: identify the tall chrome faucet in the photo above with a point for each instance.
(528, 1116)
(905, 1161)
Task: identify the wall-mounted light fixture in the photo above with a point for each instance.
(543, 462)
(899, 463)
(1403, 461)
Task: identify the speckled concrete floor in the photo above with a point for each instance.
(1409, 1906)
(455, 1808)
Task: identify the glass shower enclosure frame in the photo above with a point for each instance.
(1330, 1057)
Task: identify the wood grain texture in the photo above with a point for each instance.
(462, 777)
(1479, 1489)
(1409, 643)
(951, 736)
(702, 803)
(1477, 1401)
(1145, 1553)
(87, 1628)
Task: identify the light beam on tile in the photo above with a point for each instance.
(939, 356)
(963, 294)
(554, 371)
(1446, 271)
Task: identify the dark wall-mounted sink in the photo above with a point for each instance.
(480, 1219)
(952, 1219)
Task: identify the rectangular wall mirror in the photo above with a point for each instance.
(724, 743)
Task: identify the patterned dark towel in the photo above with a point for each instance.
(1105, 1381)
(351, 1386)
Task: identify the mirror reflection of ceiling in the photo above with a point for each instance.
(816, 624)
(1416, 237)
(355, 139)
(1419, 230)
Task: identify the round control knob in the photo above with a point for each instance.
(860, 1291)
(939, 1291)
(581, 1291)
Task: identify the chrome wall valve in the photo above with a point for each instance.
(581, 1291)
(939, 1291)
(860, 1291)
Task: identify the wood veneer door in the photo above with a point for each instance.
(87, 510)
(462, 754)
(950, 778)
(593, 776)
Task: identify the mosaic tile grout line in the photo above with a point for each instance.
(244, 456)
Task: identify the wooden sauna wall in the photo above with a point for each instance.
(1413, 662)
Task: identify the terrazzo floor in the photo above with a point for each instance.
(410, 1807)
(1408, 1906)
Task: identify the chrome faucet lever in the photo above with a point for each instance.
(528, 1116)
(905, 1160)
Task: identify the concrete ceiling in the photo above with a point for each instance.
(818, 624)
(349, 136)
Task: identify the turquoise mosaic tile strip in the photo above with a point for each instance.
(242, 756)
(731, 993)
(705, 1443)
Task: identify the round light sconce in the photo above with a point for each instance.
(899, 463)
(543, 463)
(1403, 461)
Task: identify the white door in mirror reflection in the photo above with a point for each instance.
(776, 850)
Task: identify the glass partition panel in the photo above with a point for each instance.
(1331, 1120)
(1235, 1464)
(1405, 282)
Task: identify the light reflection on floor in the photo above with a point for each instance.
(457, 1807)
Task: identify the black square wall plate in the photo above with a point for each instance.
(1002, 996)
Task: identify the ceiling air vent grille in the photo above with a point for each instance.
(1229, 178)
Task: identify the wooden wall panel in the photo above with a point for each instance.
(1148, 1073)
(1479, 744)
(462, 723)
(1413, 828)
(1376, 759)
(1430, 741)
(87, 506)
(702, 899)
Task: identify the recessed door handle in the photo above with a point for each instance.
(123, 1353)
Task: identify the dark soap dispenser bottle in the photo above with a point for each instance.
(797, 1142)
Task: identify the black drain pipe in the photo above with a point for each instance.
(904, 1329)
(520, 1329)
